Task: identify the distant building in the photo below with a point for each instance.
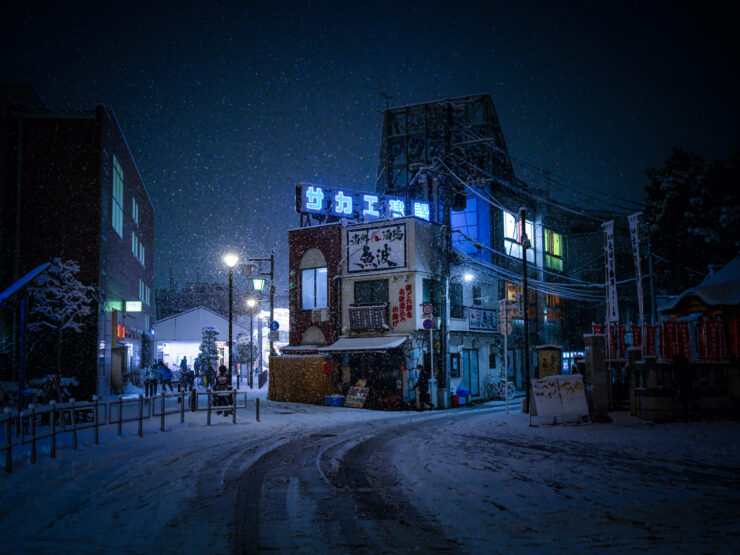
(70, 188)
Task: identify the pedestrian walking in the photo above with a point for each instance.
(166, 376)
(151, 380)
(423, 401)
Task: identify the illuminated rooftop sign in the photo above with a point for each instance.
(346, 203)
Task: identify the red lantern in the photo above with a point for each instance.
(325, 367)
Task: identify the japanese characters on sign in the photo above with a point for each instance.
(481, 319)
(377, 248)
(611, 279)
(345, 203)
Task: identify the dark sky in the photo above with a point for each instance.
(226, 106)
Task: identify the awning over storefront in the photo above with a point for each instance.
(365, 343)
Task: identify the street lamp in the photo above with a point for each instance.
(259, 286)
(251, 303)
(231, 260)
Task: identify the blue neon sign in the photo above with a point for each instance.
(345, 203)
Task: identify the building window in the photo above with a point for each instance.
(553, 308)
(117, 217)
(134, 244)
(513, 234)
(142, 254)
(431, 292)
(371, 292)
(457, 310)
(147, 295)
(313, 288)
(514, 293)
(142, 290)
(134, 211)
(553, 250)
(477, 295)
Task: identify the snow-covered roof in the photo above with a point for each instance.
(719, 289)
(188, 325)
(365, 343)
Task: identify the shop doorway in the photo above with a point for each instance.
(469, 370)
(117, 367)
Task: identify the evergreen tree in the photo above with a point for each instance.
(244, 346)
(693, 213)
(208, 350)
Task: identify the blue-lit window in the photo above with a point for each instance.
(313, 288)
(466, 221)
(117, 208)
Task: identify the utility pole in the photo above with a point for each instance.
(272, 301)
(653, 316)
(525, 299)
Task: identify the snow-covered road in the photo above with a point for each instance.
(323, 479)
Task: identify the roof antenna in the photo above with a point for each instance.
(388, 99)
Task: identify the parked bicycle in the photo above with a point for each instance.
(495, 390)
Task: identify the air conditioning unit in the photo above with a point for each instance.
(319, 315)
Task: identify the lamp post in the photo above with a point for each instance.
(251, 303)
(231, 260)
(525, 299)
(271, 273)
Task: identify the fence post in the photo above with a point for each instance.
(194, 400)
(8, 443)
(74, 425)
(141, 415)
(32, 406)
(234, 408)
(182, 407)
(120, 415)
(161, 426)
(95, 418)
(53, 417)
(209, 406)
(257, 404)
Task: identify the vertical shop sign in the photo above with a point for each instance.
(669, 339)
(622, 349)
(634, 221)
(636, 336)
(650, 340)
(612, 308)
(683, 339)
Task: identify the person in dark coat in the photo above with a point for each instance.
(424, 402)
(210, 375)
(166, 374)
(222, 384)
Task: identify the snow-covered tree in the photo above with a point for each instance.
(208, 350)
(60, 303)
(243, 348)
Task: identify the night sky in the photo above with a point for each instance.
(226, 106)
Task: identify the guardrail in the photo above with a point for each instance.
(39, 423)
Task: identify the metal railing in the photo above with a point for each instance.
(46, 422)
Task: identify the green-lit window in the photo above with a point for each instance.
(553, 250)
(117, 216)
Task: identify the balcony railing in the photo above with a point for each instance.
(362, 318)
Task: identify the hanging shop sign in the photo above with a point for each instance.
(634, 222)
(346, 203)
(481, 319)
(376, 248)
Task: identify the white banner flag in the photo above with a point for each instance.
(612, 308)
(634, 221)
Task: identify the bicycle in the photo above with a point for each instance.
(495, 390)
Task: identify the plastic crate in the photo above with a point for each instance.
(334, 400)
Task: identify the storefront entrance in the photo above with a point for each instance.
(469, 371)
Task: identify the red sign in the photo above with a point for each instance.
(597, 329)
(622, 350)
(714, 339)
(650, 340)
(684, 339)
(734, 337)
(636, 335)
(669, 339)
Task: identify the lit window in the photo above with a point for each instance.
(512, 237)
(135, 211)
(457, 310)
(553, 308)
(117, 209)
(142, 252)
(553, 250)
(142, 290)
(514, 294)
(134, 244)
(313, 288)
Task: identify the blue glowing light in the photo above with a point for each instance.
(396, 208)
(421, 210)
(315, 197)
(371, 201)
(342, 203)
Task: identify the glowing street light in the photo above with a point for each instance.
(231, 260)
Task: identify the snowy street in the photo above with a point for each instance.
(321, 479)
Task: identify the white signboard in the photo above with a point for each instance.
(559, 396)
(634, 221)
(376, 248)
(481, 319)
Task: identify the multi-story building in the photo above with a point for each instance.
(71, 190)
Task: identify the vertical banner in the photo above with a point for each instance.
(650, 340)
(669, 347)
(636, 336)
(611, 340)
(634, 221)
(612, 308)
(622, 348)
(683, 339)
(597, 329)
(734, 338)
(713, 339)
